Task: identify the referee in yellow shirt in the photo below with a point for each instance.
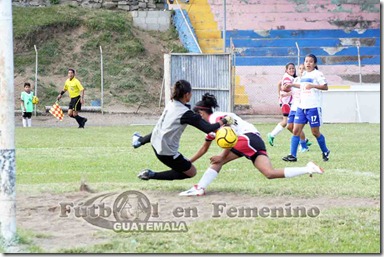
(76, 93)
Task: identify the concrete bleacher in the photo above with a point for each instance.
(264, 34)
(332, 47)
(297, 15)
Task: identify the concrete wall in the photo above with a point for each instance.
(298, 15)
(265, 33)
(359, 104)
(152, 20)
(127, 5)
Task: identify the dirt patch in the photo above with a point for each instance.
(40, 213)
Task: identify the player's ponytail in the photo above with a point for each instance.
(208, 103)
(181, 88)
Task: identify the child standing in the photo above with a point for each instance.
(27, 105)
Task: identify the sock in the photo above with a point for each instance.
(169, 175)
(321, 142)
(29, 122)
(24, 122)
(303, 144)
(145, 139)
(79, 119)
(294, 145)
(295, 171)
(207, 178)
(277, 130)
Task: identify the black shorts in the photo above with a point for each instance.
(75, 104)
(250, 145)
(179, 164)
(27, 115)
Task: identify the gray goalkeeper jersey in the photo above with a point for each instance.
(165, 137)
(168, 130)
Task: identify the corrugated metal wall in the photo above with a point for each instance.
(206, 73)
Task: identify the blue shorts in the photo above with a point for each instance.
(312, 116)
(291, 116)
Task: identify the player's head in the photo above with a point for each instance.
(310, 62)
(71, 73)
(207, 104)
(301, 69)
(182, 91)
(27, 87)
(290, 69)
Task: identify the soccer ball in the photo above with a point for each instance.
(35, 100)
(226, 137)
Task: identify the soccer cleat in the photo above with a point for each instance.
(326, 156)
(289, 158)
(194, 191)
(83, 123)
(146, 174)
(135, 140)
(270, 139)
(308, 143)
(85, 120)
(303, 150)
(313, 168)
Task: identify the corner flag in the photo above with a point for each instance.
(57, 111)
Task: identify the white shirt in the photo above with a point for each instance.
(286, 97)
(240, 126)
(311, 98)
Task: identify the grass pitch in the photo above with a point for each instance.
(55, 160)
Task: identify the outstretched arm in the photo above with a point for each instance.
(195, 120)
(145, 139)
(203, 150)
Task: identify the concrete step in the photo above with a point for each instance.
(212, 50)
(206, 34)
(237, 80)
(240, 90)
(198, 2)
(205, 26)
(215, 42)
(200, 18)
(241, 99)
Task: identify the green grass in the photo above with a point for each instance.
(68, 36)
(338, 230)
(57, 159)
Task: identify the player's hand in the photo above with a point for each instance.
(309, 86)
(287, 86)
(58, 97)
(82, 100)
(216, 159)
(227, 120)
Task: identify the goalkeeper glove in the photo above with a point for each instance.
(227, 120)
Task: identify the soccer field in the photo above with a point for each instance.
(51, 162)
